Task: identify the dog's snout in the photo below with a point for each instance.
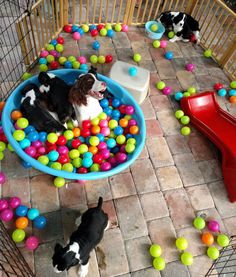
(104, 84)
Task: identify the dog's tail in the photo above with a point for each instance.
(100, 201)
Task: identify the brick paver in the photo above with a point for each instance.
(122, 185)
(175, 269)
(169, 178)
(147, 272)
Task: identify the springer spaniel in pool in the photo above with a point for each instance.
(186, 28)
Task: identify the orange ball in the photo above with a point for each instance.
(123, 122)
(134, 130)
(22, 222)
(207, 238)
(95, 130)
(16, 114)
(76, 132)
(93, 149)
(2, 104)
(232, 99)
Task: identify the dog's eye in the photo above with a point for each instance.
(181, 24)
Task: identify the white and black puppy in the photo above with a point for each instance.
(85, 95)
(34, 108)
(89, 233)
(186, 28)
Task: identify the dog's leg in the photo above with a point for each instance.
(197, 36)
(78, 221)
(175, 38)
(83, 271)
(108, 225)
(185, 40)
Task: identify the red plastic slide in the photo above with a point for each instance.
(220, 127)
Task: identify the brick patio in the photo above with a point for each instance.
(179, 176)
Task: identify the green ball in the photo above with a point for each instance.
(1, 156)
(43, 68)
(159, 263)
(185, 131)
(94, 141)
(59, 48)
(62, 60)
(95, 168)
(108, 26)
(102, 115)
(118, 27)
(185, 120)
(71, 59)
(129, 148)
(154, 27)
(26, 76)
(56, 165)
(70, 125)
(213, 252)
(67, 167)
(103, 32)
(95, 121)
(207, 53)
(137, 57)
(59, 182)
(191, 90)
(18, 135)
(83, 148)
(233, 84)
(18, 235)
(181, 243)
(2, 146)
(156, 43)
(43, 159)
(160, 85)
(77, 162)
(50, 58)
(155, 250)
(171, 34)
(22, 122)
(49, 47)
(179, 114)
(68, 134)
(199, 223)
(52, 137)
(120, 139)
(186, 258)
(101, 59)
(131, 141)
(74, 153)
(223, 240)
(76, 64)
(93, 59)
(186, 94)
(112, 134)
(10, 148)
(112, 124)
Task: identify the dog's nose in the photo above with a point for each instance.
(104, 84)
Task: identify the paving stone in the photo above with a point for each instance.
(17, 187)
(135, 36)
(153, 129)
(157, 54)
(137, 250)
(109, 208)
(130, 216)
(169, 178)
(179, 63)
(149, 65)
(96, 188)
(86, 42)
(71, 49)
(162, 232)
(29, 257)
(123, 275)
(160, 103)
(174, 84)
(189, 50)
(178, 144)
(169, 123)
(211, 170)
(154, 205)
(121, 40)
(144, 176)
(220, 75)
(199, 146)
(188, 169)
(144, 153)
(206, 82)
(230, 224)
(200, 67)
(178, 201)
(115, 258)
(165, 69)
(147, 109)
(154, 79)
(222, 203)
(147, 272)
(122, 185)
(200, 266)
(187, 79)
(200, 197)
(175, 49)
(38, 185)
(175, 269)
(141, 48)
(125, 55)
(159, 152)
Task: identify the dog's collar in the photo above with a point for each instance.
(75, 249)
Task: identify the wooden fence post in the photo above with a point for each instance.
(65, 12)
(190, 6)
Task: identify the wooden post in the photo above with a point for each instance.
(127, 11)
(65, 12)
(190, 6)
(231, 49)
(22, 43)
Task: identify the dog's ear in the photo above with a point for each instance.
(78, 92)
(43, 78)
(93, 70)
(58, 248)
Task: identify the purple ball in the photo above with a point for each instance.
(17, 127)
(3, 204)
(122, 148)
(167, 90)
(112, 161)
(121, 157)
(213, 226)
(37, 143)
(129, 109)
(105, 166)
(102, 145)
(132, 122)
(54, 53)
(2, 178)
(105, 154)
(14, 202)
(62, 150)
(31, 151)
(6, 215)
(190, 67)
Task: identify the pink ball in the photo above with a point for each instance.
(6, 215)
(124, 28)
(32, 243)
(105, 131)
(82, 59)
(37, 144)
(213, 226)
(54, 53)
(105, 153)
(129, 109)
(14, 202)
(3, 204)
(17, 127)
(163, 43)
(122, 148)
(105, 166)
(121, 157)
(81, 182)
(76, 36)
(167, 90)
(103, 123)
(62, 150)
(102, 145)
(31, 151)
(41, 150)
(132, 122)
(112, 161)
(44, 53)
(2, 178)
(190, 67)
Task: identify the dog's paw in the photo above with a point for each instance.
(78, 221)
(83, 271)
(75, 123)
(173, 39)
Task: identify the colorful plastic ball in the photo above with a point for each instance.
(213, 253)
(67, 167)
(213, 226)
(67, 28)
(185, 131)
(54, 53)
(108, 26)
(2, 178)
(93, 59)
(137, 57)
(222, 240)
(134, 130)
(160, 85)
(43, 68)
(18, 235)
(111, 143)
(32, 213)
(85, 27)
(185, 120)
(68, 134)
(44, 53)
(191, 90)
(112, 124)
(32, 243)
(103, 32)
(68, 64)
(26, 164)
(118, 130)
(60, 40)
(22, 222)
(76, 36)
(27, 75)
(232, 99)
(43, 61)
(207, 238)
(121, 157)
(171, 34)
(96, 45)
(101, 59)
(218, 86)
(156, 43)
(208, 53)
(125, 28)
(105, 166)
(21, 210)
(19, 135)
(110, 33)
(82, 170)
(84, 67)
(129, 109)
(129, 148)
(50, 58)
(6, 215)
(3, 204)
(181, 243)
(232, 92)
(186, 258)
(154, 27)
(33, 136)
(155, 250)
(167, 90)
(43, 159)
(49, 47)
(186, 94)
(81, 31)
(16, 114)
(82, 59)
(54, 65)
(25, 143)
(199, 223)
(94, 141)
(118, 27)
(53, 42)
(163, 44)
(95, 168)
(133, 71)
(14, 202)
(178, 95)
(59, 182)
(190, 67)
(75, 65)
(10, 148)
(169, 55)
(59, 48)
(94, 32)
(52, 137)
(1, 156)
(222, 92)
(233, 84)
(87, 162)
(31, 151)
(159, 263)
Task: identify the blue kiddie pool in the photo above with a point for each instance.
(69, 76)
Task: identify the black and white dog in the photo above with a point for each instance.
(186, 28)
(57, 92)
(34, 108)
(89, 233)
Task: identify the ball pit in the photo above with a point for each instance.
(123, 159)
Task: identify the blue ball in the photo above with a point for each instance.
(108, 111)
(92, 27)
(96, 45)
(82, 139)
(115, 150)
(81, 31)
(68, 64)
(33, 213)
(29, 129)
(118, 130)
(25, 143)
(115, 114)
(75, 28)
(21, 210)
(43, 136)
(54, 42)
(232, 92)
(104, 103)
(129, 136)
(178, 95)
(83, 66)
(169, 55)
(53, 155)
(33, 136)
(116, 102)
(87, 162)
(110, 33)
(222, 92)
(101, 137)
(39, 222)
(111, 142)
(133, 71)
(88, 155)
(26, 164)
(43, 61)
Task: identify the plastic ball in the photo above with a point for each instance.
(118, 27)
(49, 47)
(108, 26)
(137, 57)
(52, 137)
(185, 120)
(67, 28)
(178, 95)
(87, 162)
(185, 131)
(94, 141)
(218, 86)
(160, 85)
(186, 94)
(43, 159)
(159, 263)
(6, 215)
(14, 202)
(222, 240)
(232, 99)
(85, 27)
(191, 90)
(19, 135)
(129, 148)
(199, 223)
(156, 43)
(108, 58)
(167, 90)
(56, 165)
(105, 166)
(233, 84)
(2, 178)
(213, 226)
(110, 33)
(124, 28)
(133, 71)
(129, 109)
(32, 242)
(213, 253)
(59, 48)
(169, 55)
(154, 27)
(222, 92)
(207, 238)
(163, 44)
(68, 64)
(59, 182)
(26, 164)
(232, 92)
(155, 250)
(53, 42)
(96, 45)
(15, 115)
(76, 36)
(208, 53)
(101, 59)
(60, 40)
(32, 213)
(54, 53)
(103, 32)
(68, 134)
(75, 65)
(43, 68)
(18, 235)
(41, 61)
(21, 210)
(54, 65)
(50, 58)
(44, 53)
(33, 136)
(94, 32)
(22, 222)
(93, 59)
(3, 204)
(171, 34)
(181, 243)
(179, 114)
(190, 67)
(186, 258)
